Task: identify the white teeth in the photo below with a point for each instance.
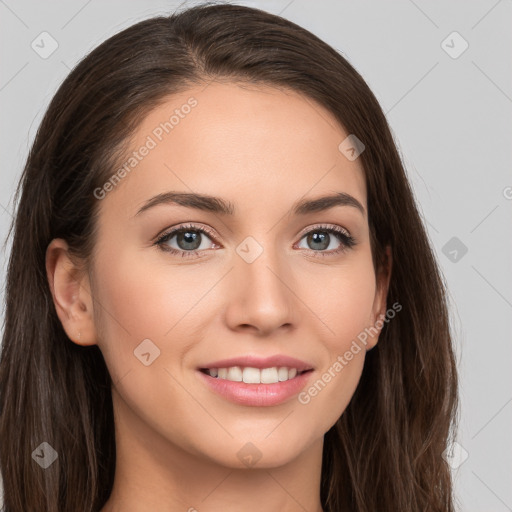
(282, 373)
(254, 375)
(269, 375)
(235, 374)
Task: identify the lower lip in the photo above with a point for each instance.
(258, 395)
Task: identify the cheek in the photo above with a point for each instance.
(136, 301)
(345, 308)
(342, 300)
(141, 301)
(351, 309)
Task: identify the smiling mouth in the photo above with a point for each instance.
(250, 375)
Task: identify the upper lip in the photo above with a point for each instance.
(278, 360)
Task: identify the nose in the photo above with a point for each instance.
(261, 297)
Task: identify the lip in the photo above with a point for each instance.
(278, 360)
(256, 395)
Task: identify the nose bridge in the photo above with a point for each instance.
(261, 296)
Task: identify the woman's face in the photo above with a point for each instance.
(263, 280)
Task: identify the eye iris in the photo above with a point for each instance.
(189, 238)
(320, 237)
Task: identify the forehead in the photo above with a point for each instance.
(256, 143)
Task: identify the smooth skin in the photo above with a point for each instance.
(262, 149)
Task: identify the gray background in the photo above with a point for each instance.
(451, 120)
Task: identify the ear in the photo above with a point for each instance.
(71, 293)
(379, 305)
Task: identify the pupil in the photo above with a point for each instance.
(190, 240)
(321, 238)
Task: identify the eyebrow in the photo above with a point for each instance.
(221, 206)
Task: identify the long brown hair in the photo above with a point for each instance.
(385, 451)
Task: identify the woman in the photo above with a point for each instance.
(221, 295)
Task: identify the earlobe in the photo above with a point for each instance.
(71, 293)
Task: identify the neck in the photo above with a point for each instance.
(154, 474)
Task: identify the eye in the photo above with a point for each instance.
(321, 238)
(189, 240)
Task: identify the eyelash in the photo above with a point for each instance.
(347, 241)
